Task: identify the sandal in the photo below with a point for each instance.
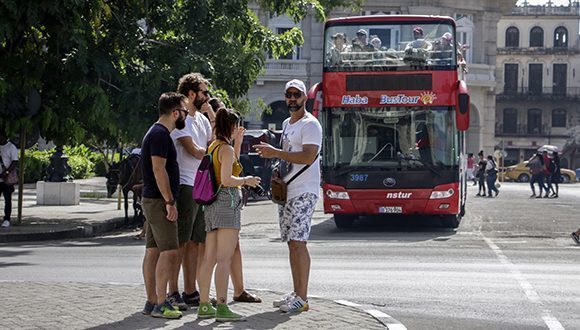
(247, 297)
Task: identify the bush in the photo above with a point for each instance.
(35, 164)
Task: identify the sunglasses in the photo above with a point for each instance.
(182, 110)
(296, 95)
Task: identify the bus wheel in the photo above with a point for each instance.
(344, 220)
(451, 221)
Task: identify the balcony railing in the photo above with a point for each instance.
(546, 10)
(537, 51)
(525, 131)
(545, 92)
(284, 69)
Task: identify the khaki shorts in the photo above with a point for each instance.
(198, 235)
(162, 233)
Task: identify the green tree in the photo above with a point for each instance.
(100, 65)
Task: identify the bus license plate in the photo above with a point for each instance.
(391, 209)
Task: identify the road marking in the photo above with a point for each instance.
(531, 294)
(347, 303)
(387, 320)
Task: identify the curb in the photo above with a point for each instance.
(388, 321)
(81, 231)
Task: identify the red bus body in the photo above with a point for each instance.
(370, 163)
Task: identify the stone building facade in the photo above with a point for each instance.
(538, 58)
(476, 26)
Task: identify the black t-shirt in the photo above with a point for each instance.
(158, 142)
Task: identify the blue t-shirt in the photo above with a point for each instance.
(158, 142)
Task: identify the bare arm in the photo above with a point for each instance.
(306, 156)
(191, 147)
(226, 157)
(162, 179)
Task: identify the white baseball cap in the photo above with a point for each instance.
(298, 84)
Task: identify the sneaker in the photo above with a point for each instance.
(192, 300)
(177, 302)
(225, 314)
(297, 305)
(5, 224)
(496, 193)
(166, 311)
(478, 195)
(575, 238)
(149, 306)
(284, 300)
(205, 311)
(532, 195)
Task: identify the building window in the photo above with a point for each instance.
(559, 118)
(560, 79)
(535, 78)
(510, 120)
(534, 121)
(561, 37)
(537, 37)
(510, 78)
(512, 37)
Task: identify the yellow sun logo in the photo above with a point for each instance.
(428, 97)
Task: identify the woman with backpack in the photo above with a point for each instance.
(223, 216)
(491, 176)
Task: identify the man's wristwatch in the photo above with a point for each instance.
(171, 202)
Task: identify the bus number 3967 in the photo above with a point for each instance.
(359, 177)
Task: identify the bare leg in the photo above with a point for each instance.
(205, 270)
(226, 241)
(236, 272)
(149, 264)
(300, 264)
(173, 285)
(167, 261)
(190, 267)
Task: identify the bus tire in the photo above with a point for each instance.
(344, 220)
(451, 221)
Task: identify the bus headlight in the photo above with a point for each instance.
(337, 194)
(442, 194)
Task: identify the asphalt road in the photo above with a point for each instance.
(510, 264)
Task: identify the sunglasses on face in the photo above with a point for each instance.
(296, 95)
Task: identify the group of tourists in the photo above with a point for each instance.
(483, 172)
(545, 171)
(204, 239)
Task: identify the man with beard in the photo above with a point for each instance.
(299, 162)
(160, 189)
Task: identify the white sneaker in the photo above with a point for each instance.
(284, 300)
(295, 306)
(5, 224)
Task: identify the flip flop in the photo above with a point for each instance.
(248, 297)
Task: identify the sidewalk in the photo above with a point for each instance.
(95, 215)
(107, 306)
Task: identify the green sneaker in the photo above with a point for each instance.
(225, 314)
(166, 311)
(205, 311)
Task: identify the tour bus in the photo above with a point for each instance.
(394, 111)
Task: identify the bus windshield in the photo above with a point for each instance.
(391, 137)
(376, 47)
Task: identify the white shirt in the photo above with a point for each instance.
(198, 128)
(307, 130)
(8, 153)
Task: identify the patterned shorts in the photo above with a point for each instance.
(296, 216)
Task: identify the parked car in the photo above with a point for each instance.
(521, 173)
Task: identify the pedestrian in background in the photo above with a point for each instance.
(8, 160)
(223, 216)
(160, 190)
(471, 168)
(491, 176)
(536, 165)
(301, 143)
(481, 174)
(190, 144)
(547, 173)
(556, 174)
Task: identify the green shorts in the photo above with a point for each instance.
(162, 233)
(190, 222)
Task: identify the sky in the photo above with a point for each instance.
(543, 2)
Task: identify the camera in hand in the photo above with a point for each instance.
(258, 190)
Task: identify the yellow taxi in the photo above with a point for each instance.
(521, 173)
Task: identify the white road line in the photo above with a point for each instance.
(531, 294)
(347, 303)
(386, 319)
(377, 313)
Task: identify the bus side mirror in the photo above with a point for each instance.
(314, 102)
(462, 110)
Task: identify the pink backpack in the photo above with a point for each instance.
(205, 189)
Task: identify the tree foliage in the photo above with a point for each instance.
(100, 65)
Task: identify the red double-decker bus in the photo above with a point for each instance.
(394, 113)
